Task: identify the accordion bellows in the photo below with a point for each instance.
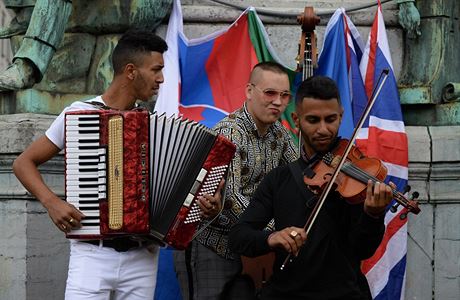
(139, 174)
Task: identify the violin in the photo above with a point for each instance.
(356, 171)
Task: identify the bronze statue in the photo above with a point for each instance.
(49, 19)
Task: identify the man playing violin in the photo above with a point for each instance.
(326, 264)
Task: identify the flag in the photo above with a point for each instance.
(205, 78)
(355, 69)
(383, 136)
(332, 62)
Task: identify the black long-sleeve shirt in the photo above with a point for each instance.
(328, 265)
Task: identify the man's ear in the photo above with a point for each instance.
(341, 112)
(130, 71)
(248, 90)
(295, 118)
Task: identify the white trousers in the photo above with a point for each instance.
(101, 273)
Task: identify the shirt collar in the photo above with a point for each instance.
(316, 156)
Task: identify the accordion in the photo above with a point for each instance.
(138, 174)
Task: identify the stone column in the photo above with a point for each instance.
(433, 244)
(33, 253)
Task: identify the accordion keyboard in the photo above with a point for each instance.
(85, 170)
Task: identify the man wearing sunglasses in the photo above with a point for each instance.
(208, 269)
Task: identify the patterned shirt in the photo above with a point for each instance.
(255, 156)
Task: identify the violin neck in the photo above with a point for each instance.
(351, 170)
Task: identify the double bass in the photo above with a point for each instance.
(260, 268)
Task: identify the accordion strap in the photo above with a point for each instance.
(102, 106)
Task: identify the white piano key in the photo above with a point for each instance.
(75, 137)
(81, 151)
(78, 161)
(70, 128)
(75, 174)
(92, 213)
(78, 145)
(82, 168)
(82, 174)
(76, 188)
(79, 193)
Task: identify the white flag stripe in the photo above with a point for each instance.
(396, 170)
(363, 134)
(355, 33)
(168, 98)
(387, 125)
(205, 105)
(365, 59)
(382, 40)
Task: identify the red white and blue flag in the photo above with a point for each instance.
(385, 137)
(356, 70)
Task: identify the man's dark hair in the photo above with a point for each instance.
(134, 43)
(317, 87)
(268, 66)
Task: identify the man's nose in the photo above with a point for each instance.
(277, 100)
(322, 127)
(160, 77)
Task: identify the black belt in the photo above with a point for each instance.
(119, 244)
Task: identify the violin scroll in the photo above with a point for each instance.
(411, 204)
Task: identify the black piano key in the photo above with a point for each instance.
(88, 196)
(88, 186)
(82, 147)
(88, 124)
(94, 170)
(87, 163)
(82, 208)
(87, 131)
(83, 179)
(88, 118)
(82, 157)
(85, 141)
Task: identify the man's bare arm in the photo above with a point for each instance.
(25, 168)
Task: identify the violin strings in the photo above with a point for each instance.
(359, 174)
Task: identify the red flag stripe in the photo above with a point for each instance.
(388, 146)
(392, 227)
(369, 80)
